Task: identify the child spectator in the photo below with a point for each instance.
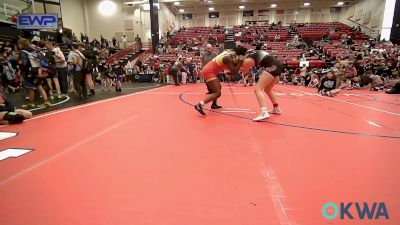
(328, 84)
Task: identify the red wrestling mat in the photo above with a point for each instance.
(150, 159)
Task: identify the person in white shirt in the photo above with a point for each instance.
(124, 41)
(61, 66)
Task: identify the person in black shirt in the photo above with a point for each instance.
(91, 61)
(51, 73)
(272, 69)
(328, 84)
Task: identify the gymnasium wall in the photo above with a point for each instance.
(230, 18)
(83, 16)
(166, 18)
(104, 25)
(73, 15)
(368, 14)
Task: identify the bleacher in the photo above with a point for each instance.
(199, 33)
(4, 39)
(278, 48)
(315, 31)
(259, 32)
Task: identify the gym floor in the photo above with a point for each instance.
(149, 158)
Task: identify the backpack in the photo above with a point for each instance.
(33, 59)
(87, 65)
(47, 61)
(11, 75)
(43, 61)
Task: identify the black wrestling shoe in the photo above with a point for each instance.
(199, 109)
(215, 106)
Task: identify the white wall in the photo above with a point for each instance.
(83, 16)
(73, 15)
(374, 7)
(166, 19)
(103, 25)
(236, 17)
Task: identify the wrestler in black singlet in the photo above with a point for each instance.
(270, 64)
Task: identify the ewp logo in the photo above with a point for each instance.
(37, 21)
(364, 211)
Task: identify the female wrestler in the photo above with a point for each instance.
(231, 60)
(272, 69)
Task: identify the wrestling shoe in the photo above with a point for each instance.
(29, 106)
(215, 106)
(199, 109)
(262, 116)
(275, 110)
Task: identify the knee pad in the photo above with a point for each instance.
(14, 118)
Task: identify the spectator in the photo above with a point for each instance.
(277, 37)
(74, 38)
(114, 41)
(75, 59)
(175, 69)
(29, 70)
(124, 41)
(87, 68)
(314, 82)
(138, 41)
(51, 77)
(61, 66)
(328, 84)
(35, 38)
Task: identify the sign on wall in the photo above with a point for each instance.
(263, 12)
(213, 15)
(187, 16)
(248, 13)
(280, 11)
(335, 9)
(37, 21)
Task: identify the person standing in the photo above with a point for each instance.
(75, 58)
(138, 41)
(114, 41)
(87, 69)
(175, 69)
(231, 60)
(124, 41)
(205, 58)
(271, 70)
